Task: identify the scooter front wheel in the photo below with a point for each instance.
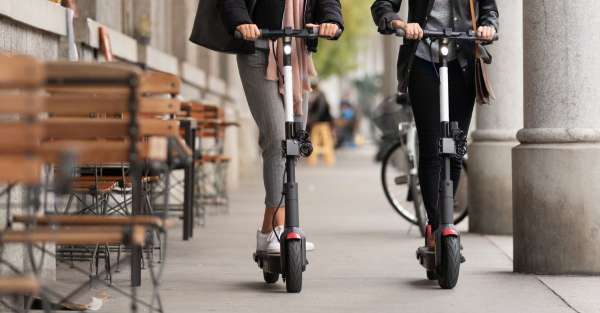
(449, 268)
(294, 264)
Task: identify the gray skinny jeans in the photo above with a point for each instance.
(266, 106)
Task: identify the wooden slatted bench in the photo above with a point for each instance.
(19, 285)
(92, 220)
(88, 235)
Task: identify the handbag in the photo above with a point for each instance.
(210, 31)
(484, 92)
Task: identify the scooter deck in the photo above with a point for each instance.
(426, 257)
(268, 262)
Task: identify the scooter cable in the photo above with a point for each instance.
(277, 210)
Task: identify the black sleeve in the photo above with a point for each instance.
(330, 11)
(488, 14)
(235, 13)
(383, 12)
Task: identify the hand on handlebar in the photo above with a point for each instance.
(328, 30)
(412, 31)
(250, 32)
(486, 33)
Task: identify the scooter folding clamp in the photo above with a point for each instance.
(306, 147)
(299, 146)
(290, 148)
(460, 140)
(447, 147)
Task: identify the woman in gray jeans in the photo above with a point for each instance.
(260, 75)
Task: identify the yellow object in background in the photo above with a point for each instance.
(322, 139)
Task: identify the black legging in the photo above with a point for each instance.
(424, 93)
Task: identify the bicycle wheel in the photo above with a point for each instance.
(394, 180)
(461, 200)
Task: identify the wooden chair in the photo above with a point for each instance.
(22, 130)
(20, 103)
(118, 117)
(212, 164)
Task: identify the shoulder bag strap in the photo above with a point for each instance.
(474, 24)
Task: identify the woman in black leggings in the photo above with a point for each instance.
(418, 68)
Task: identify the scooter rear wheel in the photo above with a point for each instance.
(449, 268)
(294, 264)
(270, 278)
(431, 275)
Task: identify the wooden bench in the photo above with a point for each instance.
(19, 285)
(92, 220)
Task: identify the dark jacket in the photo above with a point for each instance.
(385, 11)
(237, 12)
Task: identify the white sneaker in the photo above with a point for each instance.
(268, 242)
(310, 246)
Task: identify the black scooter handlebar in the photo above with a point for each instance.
(307, 33)
(450, 34)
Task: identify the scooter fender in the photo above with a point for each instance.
(443, 232)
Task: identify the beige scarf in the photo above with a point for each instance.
(302, 62)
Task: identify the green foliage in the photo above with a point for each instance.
(339, 57)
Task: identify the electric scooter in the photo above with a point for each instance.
(443, 263)
(291, 262)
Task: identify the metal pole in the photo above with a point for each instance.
(136, 177)
(188, 199)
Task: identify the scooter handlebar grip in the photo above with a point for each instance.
(338, 34)
(400, 32)
(238, 35)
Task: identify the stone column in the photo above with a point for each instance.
(391, 46)
(390, 57)
(108, 13)
(490, 172)
(556, 169)
(183, 15)
(160, 15)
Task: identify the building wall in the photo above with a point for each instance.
(19, 38)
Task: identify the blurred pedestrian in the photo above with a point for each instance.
(320, 126)
(346, 125)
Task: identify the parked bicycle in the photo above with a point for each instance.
(400, 176)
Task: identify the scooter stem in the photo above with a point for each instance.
(288, 80)
(444, 87)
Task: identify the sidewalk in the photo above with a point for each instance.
(364, 261)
